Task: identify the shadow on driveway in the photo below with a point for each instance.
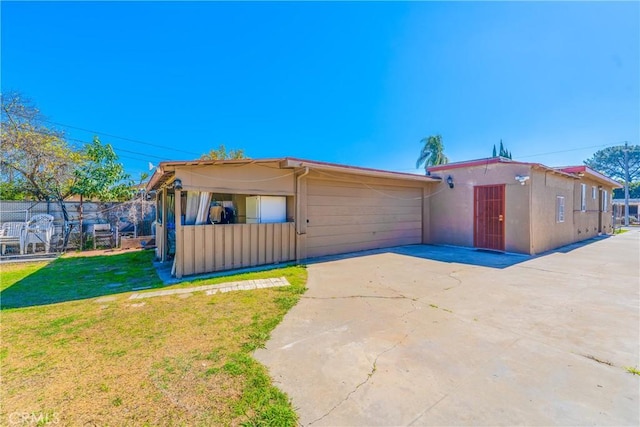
(460, 255)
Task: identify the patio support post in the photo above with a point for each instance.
(165, 209)
(300, 219)
(178, 259)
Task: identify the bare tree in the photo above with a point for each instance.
(36, 159)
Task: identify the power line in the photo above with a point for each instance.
(565, 151)
(122, 138)
(146, 155)
(114, 148)
(121, 149)
(137, 141)
(126, 151)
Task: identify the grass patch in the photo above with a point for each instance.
(632, 370)
(620, 230)
(75, 278)
(13, 273)
(171, 361)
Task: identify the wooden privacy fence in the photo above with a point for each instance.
(208, 248)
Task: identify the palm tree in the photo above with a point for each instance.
(432, 153)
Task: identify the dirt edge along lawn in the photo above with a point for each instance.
(77, 351)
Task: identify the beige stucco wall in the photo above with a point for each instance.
(531, 224)
(546, 232)
(451, 209)
(585, 222)
(607, 216)
(578, 225)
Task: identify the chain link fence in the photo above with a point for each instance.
(132, 218)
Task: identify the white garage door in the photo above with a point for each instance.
(351, 216)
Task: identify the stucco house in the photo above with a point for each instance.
(634, 210)
(249, 212)
(512, 206)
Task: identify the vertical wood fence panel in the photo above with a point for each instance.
(209, 248)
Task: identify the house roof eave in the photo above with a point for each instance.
(583, 170)
(496, 160)
(292, 162)
(166, 170)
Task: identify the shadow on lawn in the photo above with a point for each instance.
(70, 279)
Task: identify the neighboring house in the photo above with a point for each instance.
(634, 209)
(513, 206)
(243, 213)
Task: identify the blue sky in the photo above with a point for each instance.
(357, 83)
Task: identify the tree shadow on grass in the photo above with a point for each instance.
(71, 279)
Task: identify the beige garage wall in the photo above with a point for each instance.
(347, 213)
(451, 209)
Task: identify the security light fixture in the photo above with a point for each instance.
(522, 179)
(450, 181)
(177, 184)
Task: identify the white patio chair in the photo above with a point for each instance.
(39, 229)
(12, 234)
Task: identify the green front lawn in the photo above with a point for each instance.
(76, 350)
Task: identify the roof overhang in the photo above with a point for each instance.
(583, 170)
(497, 160)
(165, 172)
(291, 162)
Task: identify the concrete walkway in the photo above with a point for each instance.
(244, 285)
(397, 338)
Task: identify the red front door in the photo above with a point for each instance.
(488, 213)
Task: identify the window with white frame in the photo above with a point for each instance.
(560, 209)
(583, 197)
(605, 201)
(594, 192)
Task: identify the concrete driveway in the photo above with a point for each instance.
(425, 335)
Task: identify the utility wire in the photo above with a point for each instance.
(565, 151)
(114, 148)
(124, 138)
(118, 150)
(121, 149)
(137, 141)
